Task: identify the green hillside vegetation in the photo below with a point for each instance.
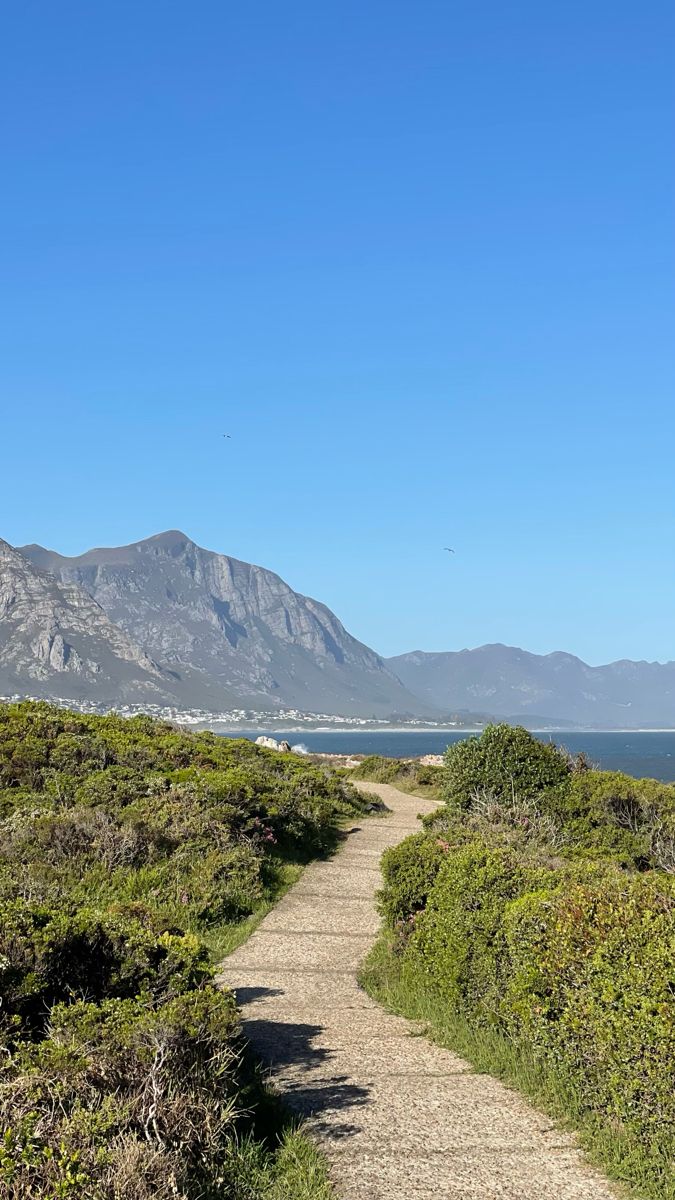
(128, 850)
(532, 925)
(408, 774)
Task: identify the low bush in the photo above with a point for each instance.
(122, 1098)
(507, 777)
(505, 762)
(126, 847)
(607, 813)
(47, 956)
(409, 871)
(538, 909)
(460, 935)
(590, 969)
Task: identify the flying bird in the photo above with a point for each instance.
(448, 550)
(228, 435)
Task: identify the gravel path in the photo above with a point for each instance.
(397, 1117)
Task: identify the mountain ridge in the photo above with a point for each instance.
(166, 620)
(232, 629)
(507, 679)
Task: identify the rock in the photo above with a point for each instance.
(49, 629)
(271, 743)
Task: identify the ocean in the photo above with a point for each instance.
(640, 754)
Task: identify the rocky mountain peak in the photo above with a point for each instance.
(233, 628)
(172, 541)
(50, 627)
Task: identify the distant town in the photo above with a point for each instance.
(293, 720)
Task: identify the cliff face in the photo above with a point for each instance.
(232, 629)
(55, 639)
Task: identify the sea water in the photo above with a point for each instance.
(641, 754)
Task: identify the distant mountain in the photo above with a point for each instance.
(234, 635)
(506, 680)
(56, 640)
(164, 621)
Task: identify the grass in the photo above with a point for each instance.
(295, 1171)
(292, 1170)
(300, 1171)
(385, 978)
(428, 791)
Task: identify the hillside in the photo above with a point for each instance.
(165, 621)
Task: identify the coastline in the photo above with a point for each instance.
(648, 753)
(401, 729)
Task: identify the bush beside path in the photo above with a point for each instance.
(397, 1117)
(131, 853)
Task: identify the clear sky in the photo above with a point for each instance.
(416, 258)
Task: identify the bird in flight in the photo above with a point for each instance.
(228, 435)
(448, 550)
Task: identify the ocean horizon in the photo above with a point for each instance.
(648, 753)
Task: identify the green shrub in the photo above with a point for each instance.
(47, 956)
(122, 843)
(574, 961)
(608, 814)
(538, 908)
(123, 1099)
(591, 814)
(505, 762)
(460, 935)
(409, 871)
(590, 985)
(377, 769)
(521, 826)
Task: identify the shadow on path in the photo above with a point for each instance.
(284, 1046)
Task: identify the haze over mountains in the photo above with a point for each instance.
(509, 681)
(166, 622)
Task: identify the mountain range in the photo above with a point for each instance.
(199, 628)
(551, 688)
(164, 621)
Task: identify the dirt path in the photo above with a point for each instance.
(397, 1117)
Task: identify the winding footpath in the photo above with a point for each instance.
(397, 1117)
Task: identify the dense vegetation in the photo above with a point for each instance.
(532, 923)
(125, 846)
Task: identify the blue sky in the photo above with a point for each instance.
(416, 258)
